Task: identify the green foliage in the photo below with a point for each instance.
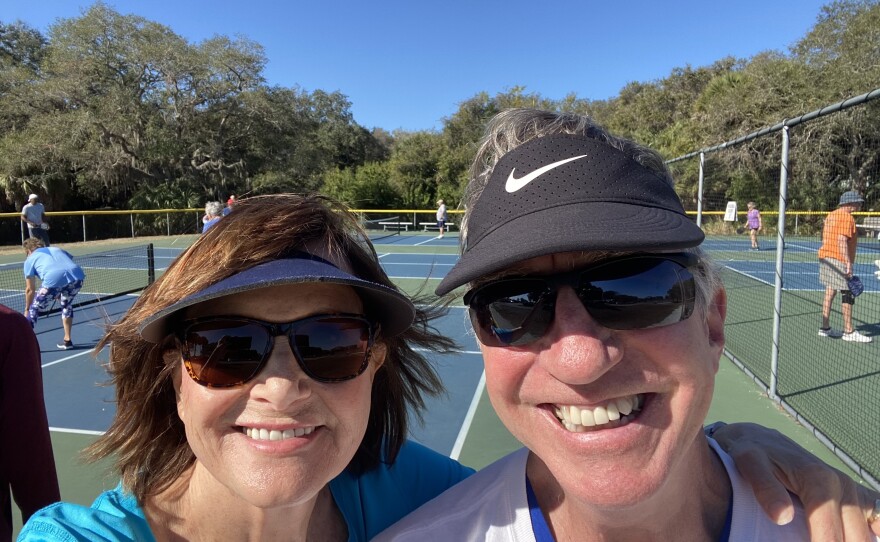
(366, 187)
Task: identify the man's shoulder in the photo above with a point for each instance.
(488, 502)
(115, 515)
(749, 522)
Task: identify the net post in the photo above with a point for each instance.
(151, 264)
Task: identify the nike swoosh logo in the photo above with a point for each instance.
(513, 184)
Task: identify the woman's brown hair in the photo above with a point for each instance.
(147, 439)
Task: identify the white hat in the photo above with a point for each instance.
(33, 196)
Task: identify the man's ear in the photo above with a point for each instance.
(715, 317)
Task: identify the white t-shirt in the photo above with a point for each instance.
(441, 212)
(33, 213)
(492, 505)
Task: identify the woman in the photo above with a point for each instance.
(266, 396)
(225, 430)
(753, 219)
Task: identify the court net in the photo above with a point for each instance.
(383, 227)
(109, 274)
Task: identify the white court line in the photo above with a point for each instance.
(434, 264)
(65, 359)
(75, 431)
(743, 273)
(468, 419)
(418, 253)
(808, 249)
(415, 278)
(423, 242)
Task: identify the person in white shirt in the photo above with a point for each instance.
(601, 324)
(34, 215)
(441, 217)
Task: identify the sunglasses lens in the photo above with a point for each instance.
(630, 293)
(638, 293)
(511, 312)
(332, 348)
(224, 353)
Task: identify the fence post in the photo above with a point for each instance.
(84, 228)
(168, 223)
(131, 218)
(700, 192)
(780, 258)
(198, 223)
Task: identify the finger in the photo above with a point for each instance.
(872, 498)
(853, 514)
(769, 491)
(825, 521)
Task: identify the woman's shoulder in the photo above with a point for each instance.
(114, 516)
(372, 500)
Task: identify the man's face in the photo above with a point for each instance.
(579, 373)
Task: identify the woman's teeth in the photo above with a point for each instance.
(576, 419)
(274, 434)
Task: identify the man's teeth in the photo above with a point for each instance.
(575, 418)
(274, 434)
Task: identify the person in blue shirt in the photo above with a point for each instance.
(61, 279)
(213, 214)
(268, 395)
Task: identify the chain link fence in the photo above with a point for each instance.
(795, 173)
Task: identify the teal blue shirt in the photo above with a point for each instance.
(369, 502)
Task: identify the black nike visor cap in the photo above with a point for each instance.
(566, 193)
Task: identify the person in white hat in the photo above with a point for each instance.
(34, 215)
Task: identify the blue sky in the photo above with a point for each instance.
(408, 64)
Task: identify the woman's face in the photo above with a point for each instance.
(320, 425)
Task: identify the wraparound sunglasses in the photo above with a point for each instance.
(638, 291)
(228, 351)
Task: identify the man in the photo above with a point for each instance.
(441, 217)
(27, 465)
(836, 258)
(601, 324)
(34, 215)
(61, 278)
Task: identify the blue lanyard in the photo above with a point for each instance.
(539, 525)
(542, 530)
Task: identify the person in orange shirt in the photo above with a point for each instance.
(836, 258)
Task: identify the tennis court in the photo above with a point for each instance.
(461, 423)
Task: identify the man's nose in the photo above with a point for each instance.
(577, 349)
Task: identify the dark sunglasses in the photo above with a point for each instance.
(227, 351)
(639, 291)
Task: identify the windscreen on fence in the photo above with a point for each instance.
(109, 274)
